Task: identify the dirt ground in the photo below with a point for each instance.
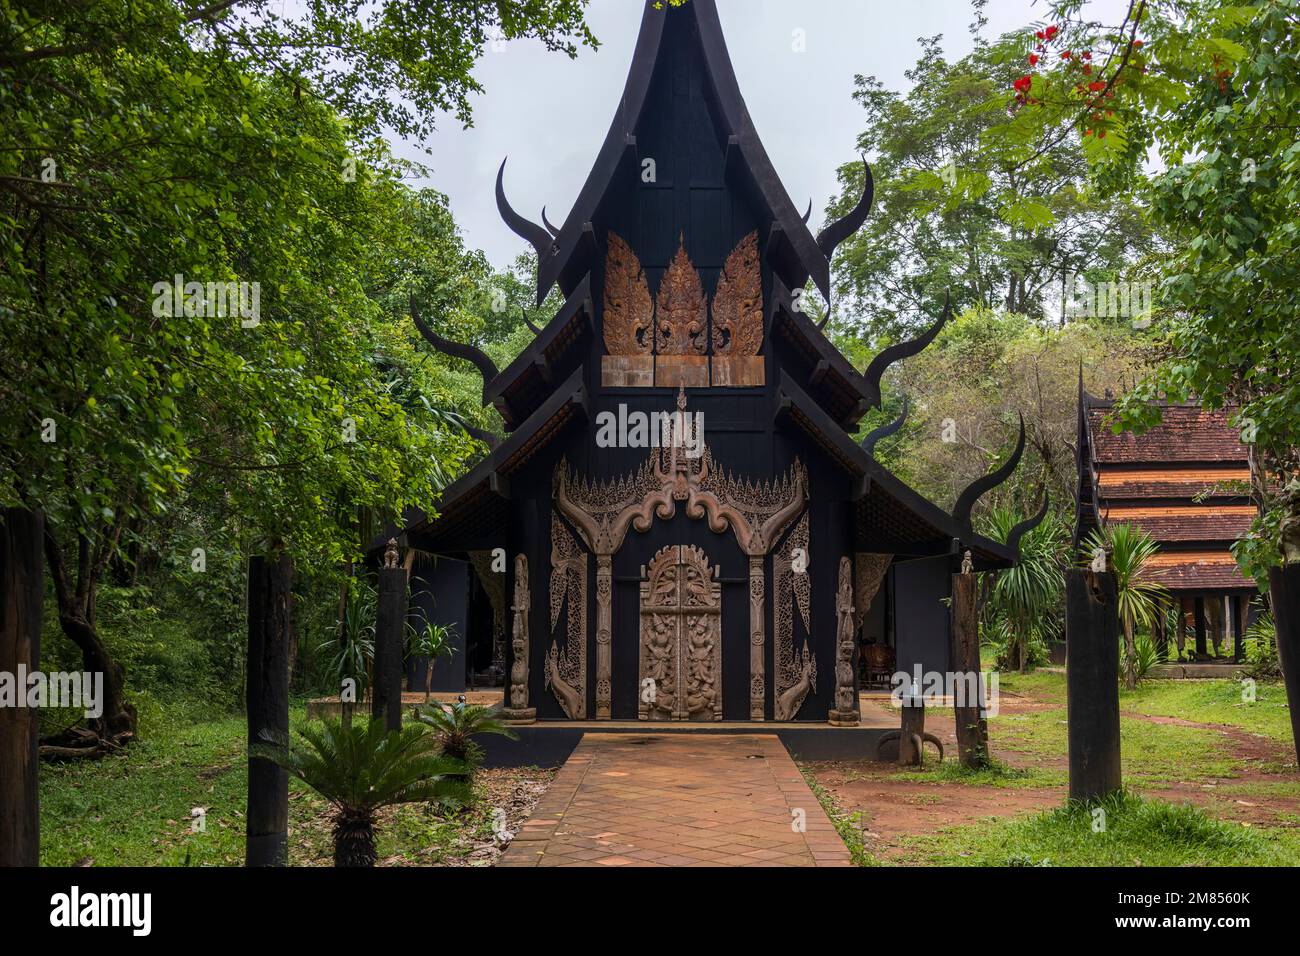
(893, 807)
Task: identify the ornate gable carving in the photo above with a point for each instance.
(738, 302)
(682, 314)
(629, 311)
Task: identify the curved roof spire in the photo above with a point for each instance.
(805, 259)
(896, 353)
(830, 237)
(535, 235)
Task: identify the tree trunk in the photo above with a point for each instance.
(270, 582)
(76, 605)
(354, 838)
(22, 595)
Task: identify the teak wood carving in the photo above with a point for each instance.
(566, 671)
(756, 513)
(845, 712)
(629, 311)
(680, 672)
(738, 302)
(796, 670)
(519, 710)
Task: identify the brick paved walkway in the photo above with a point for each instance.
(677, 800)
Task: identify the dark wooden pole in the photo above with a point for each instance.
(270, 584)
(972, 727)
(1092, 683)
(1237, 601)
(1284, 588)
(1162, 630)
(22, 596)
(911, 742)
(1199, 605)
(390, 621)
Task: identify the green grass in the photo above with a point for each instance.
(1137, 832)
(1215, 702)
(848, 824)
(134, 809)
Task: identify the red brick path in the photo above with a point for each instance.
(678, 800)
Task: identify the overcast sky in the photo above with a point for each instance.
(549, 114)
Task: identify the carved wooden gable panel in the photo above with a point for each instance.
(668, 341)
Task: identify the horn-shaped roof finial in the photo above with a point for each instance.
(884, 431)
(487, 368)
(550, 227)
(961, 511)
(530, 232)
(896, 353)
(830, 237)
(1028, 525)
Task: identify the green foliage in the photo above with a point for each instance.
(1022, 613)
(965, 204)
(1145, 656)
(1129, 549)
(456, 725)
(351, 643)
(362, 767)
(1260, 646)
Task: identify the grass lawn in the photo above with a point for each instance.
(134, 809)
(1211, 778)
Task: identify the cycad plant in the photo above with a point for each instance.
(360, 768)
(456, 725)
(1022, 609)
(1130, 550)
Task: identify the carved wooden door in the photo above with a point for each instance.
(681, 637)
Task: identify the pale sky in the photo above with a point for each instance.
(549, 114)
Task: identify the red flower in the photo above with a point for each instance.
(1022, 85)
(1087, 69)
(1137, 43)
(1065, 54)
(1033, 59)
(1040, 34)
(1096, 85)
(1087, 55)
(1050, 32)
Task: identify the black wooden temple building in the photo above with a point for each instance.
(678, 525)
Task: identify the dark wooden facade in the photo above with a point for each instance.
(682, 177)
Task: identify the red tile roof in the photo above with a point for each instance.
(1186, 433)
(1184, 482)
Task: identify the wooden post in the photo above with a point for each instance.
(972, 727)
(1162, 630)
(1235, 612)
(1198, 604)
(390, 620)
(22, 596)
(270, 583)
(1092, 683)
(1284, 588)
(911, 742)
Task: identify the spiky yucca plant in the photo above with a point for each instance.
(1022, 610)
(361, 768)
(455, 726)
(1130, 550)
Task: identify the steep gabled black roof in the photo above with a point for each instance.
(564, 260)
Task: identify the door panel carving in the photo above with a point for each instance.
(680, 674)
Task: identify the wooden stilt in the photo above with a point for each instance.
(1092, 683)
(1198, 605)
(1234, 613)
(22, 595)
(270, 583)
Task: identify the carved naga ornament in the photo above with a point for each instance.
(681, 309)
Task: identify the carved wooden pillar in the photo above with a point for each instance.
(757, 637)
(518, 710)
(845, 712)
(604, 634)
